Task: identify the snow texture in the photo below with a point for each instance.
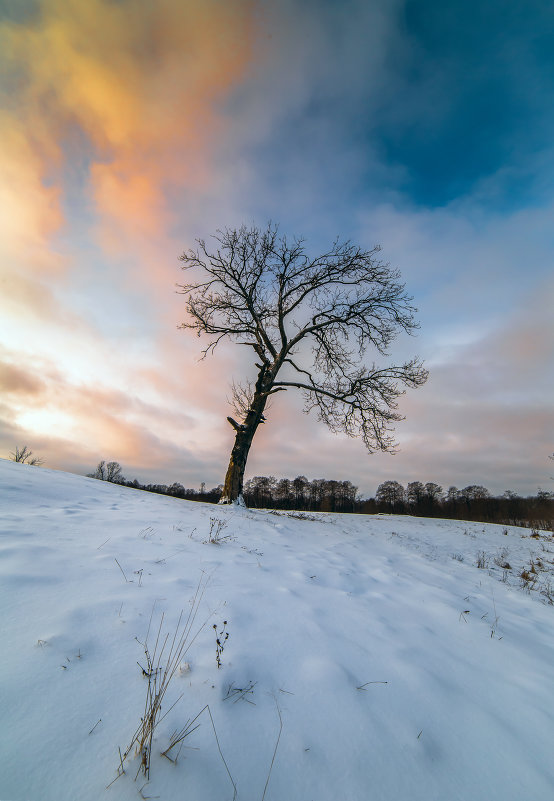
(400, 669)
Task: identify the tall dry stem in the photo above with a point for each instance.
(161, 665)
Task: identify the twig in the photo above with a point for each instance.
(221, 754)
(165, 558)
(179, 736)
(120, 770)
(363, 686)
(95, 725)
(119, 775)
(100, 546)
(146, 797)
(240, 693)
(124, 576)
(275, 749)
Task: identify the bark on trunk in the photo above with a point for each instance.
(234, 479)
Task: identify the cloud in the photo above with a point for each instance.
(111, 107)
(485, 415)
(31, 210)
(15, 381)
(156, 423)
(134, 88)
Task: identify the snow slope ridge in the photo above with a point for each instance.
(401, 670)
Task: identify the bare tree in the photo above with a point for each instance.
(433, 492)
(25, 456)
(391, 493)
(100, 472)
(415, 492)
(257, 288)
(113, 473)
(110, 471)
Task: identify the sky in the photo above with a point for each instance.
(129, 129)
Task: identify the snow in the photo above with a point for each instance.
(399, 669)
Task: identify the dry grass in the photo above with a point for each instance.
(162, 662)
(482, 560)
(216, 537)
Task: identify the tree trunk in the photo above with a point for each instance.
(234, 479)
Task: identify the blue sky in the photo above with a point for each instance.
(428, 100)
(480, 73)
(130, 129)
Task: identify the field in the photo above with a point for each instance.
(326, 656)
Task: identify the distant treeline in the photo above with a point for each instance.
(473, 502)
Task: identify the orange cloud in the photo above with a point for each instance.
(79, 423)
(29, 210)
(15, 381)
(140, 80)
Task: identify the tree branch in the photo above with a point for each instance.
(257, 289)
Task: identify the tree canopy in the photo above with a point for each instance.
(263, 290)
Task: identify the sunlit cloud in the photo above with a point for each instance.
(30, 213)
(15, 381)
(116, 422)
(116, 105)
(140, 82)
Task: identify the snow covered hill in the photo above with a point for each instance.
(367, 657)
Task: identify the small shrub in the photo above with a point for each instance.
(482, 560)
(500, 560)
(25, 456)
(220, 640)
(215, 537)
(526, 575)
(528, 579)
(547, 591)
